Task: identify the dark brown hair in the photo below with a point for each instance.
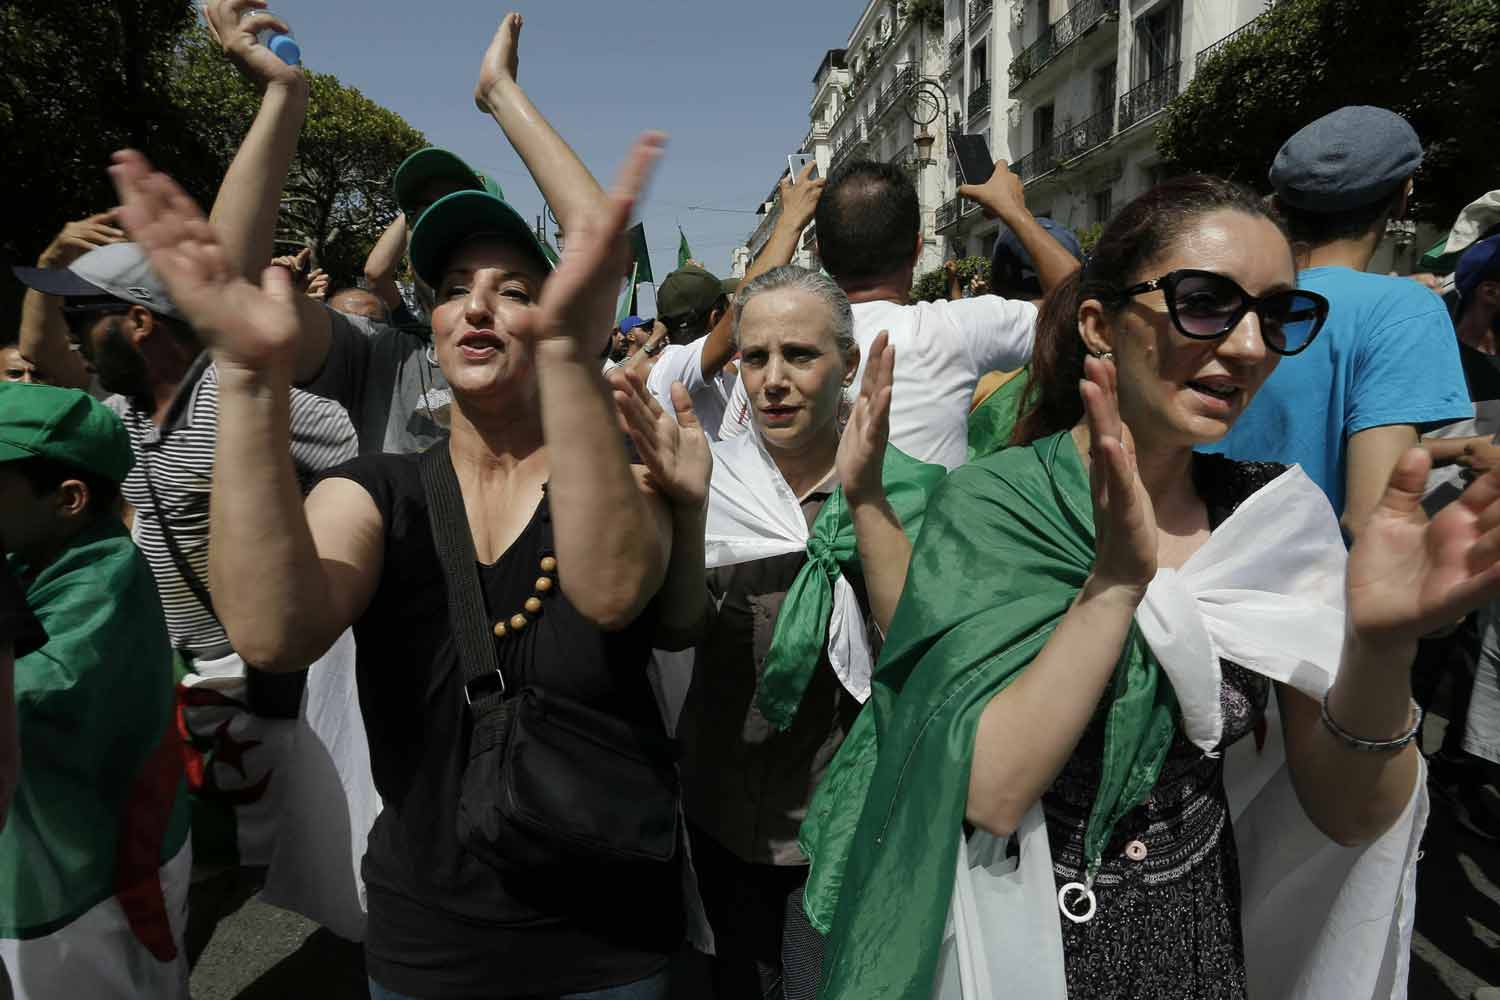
(1139, 234)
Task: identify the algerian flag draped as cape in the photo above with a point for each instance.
(1006, 546)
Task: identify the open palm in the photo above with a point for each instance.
(256, 328)
(1125, 531)
(674, 448)
(1409, 575)
(861, 455)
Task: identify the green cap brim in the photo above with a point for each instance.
(430, 164)
(458, 218)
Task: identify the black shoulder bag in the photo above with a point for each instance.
(550, 781)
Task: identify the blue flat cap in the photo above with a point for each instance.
(1347, 159)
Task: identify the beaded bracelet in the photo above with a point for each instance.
(1373, 746)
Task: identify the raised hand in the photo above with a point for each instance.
(1125, 532)
(861, 455)
(799, 200)
(578, 300)
(296, 266)
(679, 461)
(248, 327)
(317, 285)
(1407, 575)
(78, 238)
(235, 33)
(501, 63)
(1001, 196)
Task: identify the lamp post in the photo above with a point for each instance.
(926, 102)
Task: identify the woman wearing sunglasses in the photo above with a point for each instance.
(1099, 621)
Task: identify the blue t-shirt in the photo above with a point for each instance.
(1387, 355)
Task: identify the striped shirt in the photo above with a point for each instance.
(179, 456)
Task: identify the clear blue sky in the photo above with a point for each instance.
(729, 82)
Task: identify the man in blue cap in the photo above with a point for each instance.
(94, 857)
(1385, 368)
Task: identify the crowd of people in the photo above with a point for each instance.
(1054, 639)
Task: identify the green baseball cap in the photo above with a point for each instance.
(459, 217)
(63, 425)
(687, 292)
(431, 164)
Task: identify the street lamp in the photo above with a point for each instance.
(926, 102)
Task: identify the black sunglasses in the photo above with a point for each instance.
(1204, 305)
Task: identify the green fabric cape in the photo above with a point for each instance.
(991, 422)
(832, 550)
(1007, 544)
(101, 803)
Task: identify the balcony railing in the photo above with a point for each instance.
(857, 137)
(978, 9)
(1039, 161)
(947, 213)
(1248, 28)
(1079, 139)
(1078, 21)
(979, 99)
(894, 91)
(1150, 97)
(956, 48)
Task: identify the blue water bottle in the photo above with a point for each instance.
(283, 45)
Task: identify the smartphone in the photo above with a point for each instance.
(797, 162)
(975, 165)
(645, 300)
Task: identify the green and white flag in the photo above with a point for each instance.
(684, 252)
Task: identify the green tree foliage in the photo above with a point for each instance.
(933, 285)
(1437, 62)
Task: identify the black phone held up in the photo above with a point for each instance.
(975, 165)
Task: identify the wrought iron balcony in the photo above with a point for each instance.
(978, 9)
(979, 99)
(1248, 28)
(1080, 19)
(1147, 99)
(894, 91)
(1075, 140)
(947, 213)
(858, 136)
(1039, 161)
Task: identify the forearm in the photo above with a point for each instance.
(1372, 455)
(569, 189)
(1028, 731)
(314, 339)
(955, 290)
(612, 552)
(267, 582)
(44, 342)
(683, 599)
(384, 261)
(1053, 263)
(1354, 796)
(249, 198)
(884, 554)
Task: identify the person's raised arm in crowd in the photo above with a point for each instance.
(955, 288)
(1003, 197)
(385, 260)
(43, 337)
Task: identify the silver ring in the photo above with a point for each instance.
(1088, 894)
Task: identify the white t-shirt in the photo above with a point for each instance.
(942, 349)
(684, 363)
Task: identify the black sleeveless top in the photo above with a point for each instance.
(442, 923)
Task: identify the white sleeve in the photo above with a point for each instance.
(677, 363)
(997, 334)
(737, 413)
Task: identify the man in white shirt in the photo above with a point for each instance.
(870, 239)
(691, 303)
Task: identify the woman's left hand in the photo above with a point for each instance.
(861, 455)
(1407, 575)
(675, 450)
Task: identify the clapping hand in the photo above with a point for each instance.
(1408, 575)
(247, 327)
(861, 454)
(675, 450)
(1125, 532)
(235, 33)
(501, 63)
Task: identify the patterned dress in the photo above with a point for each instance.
(1168, 920)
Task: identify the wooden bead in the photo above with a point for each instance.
(499, 630)
(549, 564)
(534, 605)
(517, 622)
(543, 584)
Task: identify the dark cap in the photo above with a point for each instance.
(1349, 158)
(1011, 266)
(462, 216)
(119, 271)
(67, 426)
(688, 292)
(1481, 262)
(430, 164)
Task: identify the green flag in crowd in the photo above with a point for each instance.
(684, 252)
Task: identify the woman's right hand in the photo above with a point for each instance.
(1125, 532)
(255, 329)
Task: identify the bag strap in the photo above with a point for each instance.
(179, 558)
(484, 684)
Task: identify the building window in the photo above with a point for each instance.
(1104, 88)
(1158, 37)
(1103, 205)
(1042, 121)
(979, 65)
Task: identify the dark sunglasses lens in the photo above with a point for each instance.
(1206, 304)
(1289, 320)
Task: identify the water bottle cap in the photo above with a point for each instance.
(286, 47)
